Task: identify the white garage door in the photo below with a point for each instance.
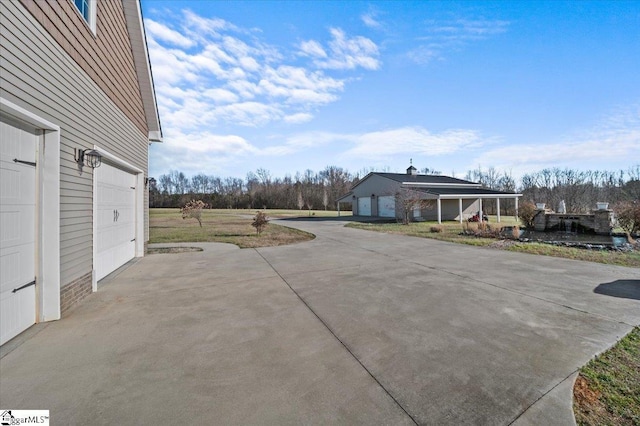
(116, 218)
(387, 206)
(17, 229)
(364, 206)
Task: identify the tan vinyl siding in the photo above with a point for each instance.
(38, 75)
(105, 57)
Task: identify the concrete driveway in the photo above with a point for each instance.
(354, 327)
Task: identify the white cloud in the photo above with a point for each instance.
(384, 143)
(209, 143)
(412, 140)
(615, 140)
(442, 37)
(300, 117)
(209, 72)
(345, 53)
(161, 32)
(313, 48)
(369, 19)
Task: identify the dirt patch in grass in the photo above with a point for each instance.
(167, 226)
(171, 250)
(607, 390)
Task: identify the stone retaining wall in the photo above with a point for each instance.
(599, 222)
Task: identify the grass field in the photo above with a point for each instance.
(450, 231)
(607, 390)
(224, 226)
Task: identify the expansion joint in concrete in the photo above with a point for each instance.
(542, 396)
(338, 339)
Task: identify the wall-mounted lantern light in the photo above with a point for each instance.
(87, 157)
(373, 195)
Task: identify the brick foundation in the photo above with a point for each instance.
(72, 293)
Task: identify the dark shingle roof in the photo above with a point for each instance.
(403, 177)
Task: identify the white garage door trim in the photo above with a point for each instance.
(387, 206)
(139, 207)
(364, 206)
(47, 210)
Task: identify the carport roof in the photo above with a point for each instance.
(471, 192)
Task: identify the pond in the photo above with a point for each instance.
(575, 239)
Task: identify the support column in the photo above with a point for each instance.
(481, 212)
(460, 208)
(338, 209)
(439, 210)
(516, 208)
(498, 206)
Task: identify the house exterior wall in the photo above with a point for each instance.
(40, 75)
(105, 57)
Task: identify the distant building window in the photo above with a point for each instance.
(87, 9)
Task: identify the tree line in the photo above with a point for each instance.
(319, 190)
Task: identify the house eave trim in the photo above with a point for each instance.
(137, 36)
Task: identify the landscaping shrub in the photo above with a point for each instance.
(260, 222)
(515, 232)
(628, 216)
(526, 213)
(436, 228)
(193, 209)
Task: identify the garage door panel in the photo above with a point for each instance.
(14, 177)
(13, 320)
(17, 229)
(364, 206)
(18, 266)
(387, 206)
(18, 224)
(115, 219)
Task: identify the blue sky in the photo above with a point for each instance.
(289, 86)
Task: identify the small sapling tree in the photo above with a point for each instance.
(409, 200)
(193, 209)
(260, 222)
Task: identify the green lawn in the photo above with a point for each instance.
(607, 391)
(224, 226)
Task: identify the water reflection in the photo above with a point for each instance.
(575, 238)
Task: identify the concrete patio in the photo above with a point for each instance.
(353, 327)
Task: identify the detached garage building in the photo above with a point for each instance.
(381, 195)
(77, 113)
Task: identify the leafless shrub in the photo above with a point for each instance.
(526, 213)
(260, 222)
(515, 232)
(628, 216)
(193, 209)
(436, 229)
(408, 200)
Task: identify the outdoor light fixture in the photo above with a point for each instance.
(87, 157)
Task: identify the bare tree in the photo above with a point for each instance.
(408, 200)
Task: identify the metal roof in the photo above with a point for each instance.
(473, 192)
(437, 179)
